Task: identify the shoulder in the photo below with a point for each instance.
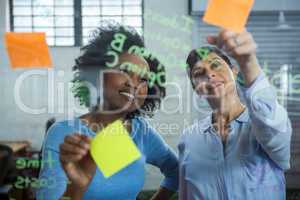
(150, 137)
(141, 122)
(143, 127)
(59, 130)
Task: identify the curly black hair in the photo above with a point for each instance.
(94, 56)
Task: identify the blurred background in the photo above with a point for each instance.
(171, 28)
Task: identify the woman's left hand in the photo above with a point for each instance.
(242, 47)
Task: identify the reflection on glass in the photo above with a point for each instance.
(90, 21)
(43, 10)
(22, 21)
(64, 11)
(64, 21)
(133, 21)
(64, 41)
(90, 2)
(109, 10)
(112, 19)
(48, 31)
(111, 2)
(42, 3)
(133, 10)
(22, 2)
(132, 2)
(43, 21)
(64, 32)
(90, 11)
(64, 2)
(22, 10)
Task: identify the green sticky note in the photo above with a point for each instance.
(113, 149)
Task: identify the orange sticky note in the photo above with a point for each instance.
(229, 14)
(27, 50)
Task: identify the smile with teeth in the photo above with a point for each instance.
(130, 96)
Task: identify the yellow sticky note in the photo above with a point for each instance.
(113, 149)
(229, 14)
(28, 50)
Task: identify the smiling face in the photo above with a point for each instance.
(126, 90)
(213, 77)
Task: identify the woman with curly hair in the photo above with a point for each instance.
(131, 88)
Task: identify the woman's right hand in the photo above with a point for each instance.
(76, 160)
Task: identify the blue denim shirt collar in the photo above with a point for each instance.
(243, 117)
(206, 123)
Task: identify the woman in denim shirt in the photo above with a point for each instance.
(241, 150)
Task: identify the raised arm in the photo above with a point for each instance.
(270, 120)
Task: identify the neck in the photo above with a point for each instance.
(225, 111)
(101, 117)
(227, 108)
(109, 114)
(105, 118)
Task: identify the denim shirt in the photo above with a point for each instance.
(251, 164)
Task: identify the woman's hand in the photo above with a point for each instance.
(77, 162)
(242, 47)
